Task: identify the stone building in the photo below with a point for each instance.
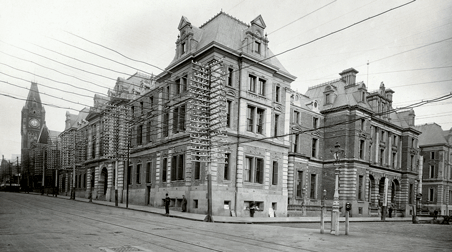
(379, 146)
(436, 149)
(258, 104)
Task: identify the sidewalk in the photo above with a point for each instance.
(236, 220)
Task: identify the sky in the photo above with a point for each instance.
(407, 48)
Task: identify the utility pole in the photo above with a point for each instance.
(207, 108)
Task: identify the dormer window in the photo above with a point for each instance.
(257, 47)
(327, 98)
(363, 96)
(183, 48)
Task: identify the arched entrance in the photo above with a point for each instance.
(104, 179)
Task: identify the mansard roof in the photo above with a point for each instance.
(229, 32)
(432, 134)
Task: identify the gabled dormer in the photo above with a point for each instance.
(255, 42)
(185, 42)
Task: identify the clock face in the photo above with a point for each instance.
(34, 123)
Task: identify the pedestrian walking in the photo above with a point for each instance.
(184, 204)
(253, 208)
(167, 203)
(390, 211)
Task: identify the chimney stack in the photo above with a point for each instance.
(349, 76)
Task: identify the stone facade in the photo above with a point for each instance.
(436, 150)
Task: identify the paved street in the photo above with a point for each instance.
(30, 222)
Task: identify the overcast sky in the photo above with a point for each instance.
(409, 49)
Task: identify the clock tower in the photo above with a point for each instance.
(33, 117)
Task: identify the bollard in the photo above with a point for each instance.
(333, 223)
(347, 226)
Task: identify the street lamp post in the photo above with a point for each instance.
(322, 213)
(335, 215)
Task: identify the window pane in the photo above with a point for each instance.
(259, 170)
(275, 173)
(180, 168)
(164, 169)
(260, 120)
(138, 173)
(173, 168)
(313, 187)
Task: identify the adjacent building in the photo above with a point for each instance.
(436, 149)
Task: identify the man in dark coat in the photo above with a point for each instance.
(184, 204)
(167, 203)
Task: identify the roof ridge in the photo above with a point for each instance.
(221, 12)
(324, 84)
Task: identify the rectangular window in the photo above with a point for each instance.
(382, 154)
(228, 113)
(315, 122)
(226, 167)
(197, 168)
(260, 121)
(148, 132)
(261, 87)
(360, 187)
(275, 173)
(140, 135)
(410, 194)
(313, 194)
(300, 184)
(184, 81)
(252, 84)
(180, 167)
(395, 141)
(314, 147)
(177, 86)
(250, 118)
(132, 109)
(259, 176)
(151, 101)
(295, 142)
(247, 171)
(148, 172)
(431, 193)
(257, 47)
(175, 120)
(167, 94)
(277, 93)
(327, 98)
(296, 117)
(183, 48)
(138, 173)
(361, 149)
(173, 168)
(431, 171)
(164, 169)
(129, 175)
(141, 107)
(165, 124)
(394, 160)
(432, 155)
(363, 124)
(275, 127)
(230, 71)
(179, 119)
